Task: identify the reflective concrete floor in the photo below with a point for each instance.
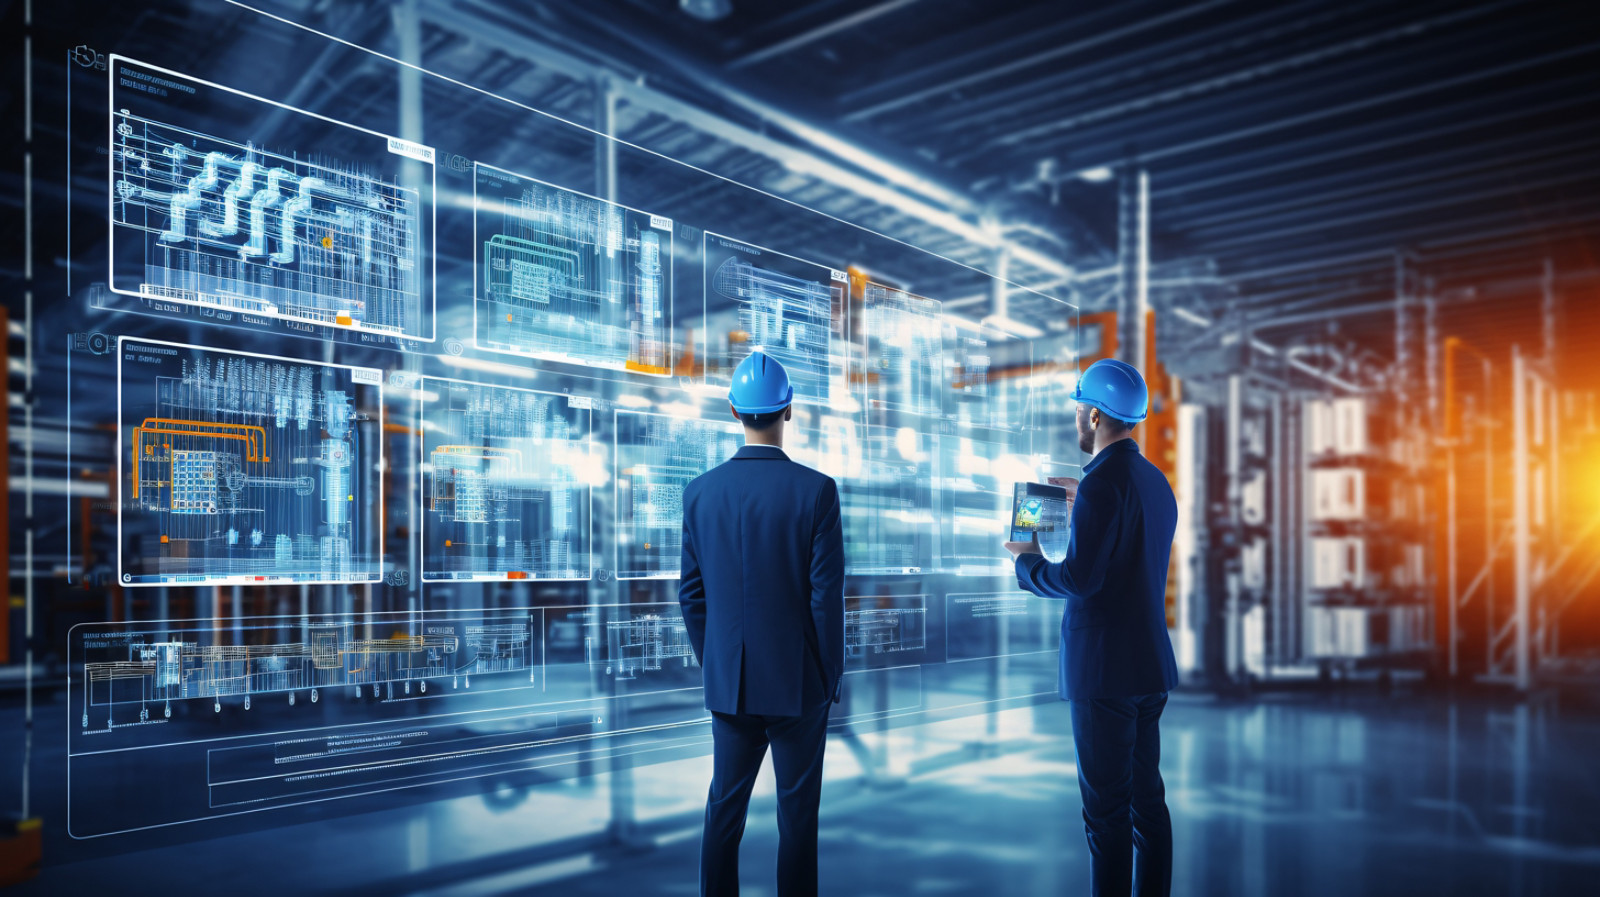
(1304, 795)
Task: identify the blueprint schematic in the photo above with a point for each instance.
(212, 218)
(791, 309)
(245, 469)
(655, 457)
(567, 277)
(506, 482)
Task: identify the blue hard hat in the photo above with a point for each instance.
(760, 385)
(1116, 388)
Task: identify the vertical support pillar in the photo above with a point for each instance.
(1002, 274)
(5, 494)
(610, 590)
(1431, 349)
(408, 33)
(1277, 600)
(1490, 527)
(1452, 591)
(1551, 308)
(27, 412)
(1234, 626)
(1133, 260)
(1521, 536)
(605, 148)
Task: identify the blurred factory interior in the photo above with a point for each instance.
(1354, 248)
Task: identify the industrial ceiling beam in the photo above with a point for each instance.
(487, 31)
(1141, 24)
(1420, 90)
(811, 36)
(1213, 86)
(917, 195)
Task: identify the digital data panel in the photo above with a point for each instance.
(245, 469)
(181, 721)
(791, 309)
(212, 218)
(567, 277)
(985, 625)
(978, 470)
(507, 477)
(902, 339)
(888, 496)
(655, 458)
(885, 630)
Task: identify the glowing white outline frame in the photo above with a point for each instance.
(422, 514)
(250, 579)
(111, 220)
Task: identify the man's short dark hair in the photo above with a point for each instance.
(762, 422)
(1118, 425)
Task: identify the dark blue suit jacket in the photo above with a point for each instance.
(762, 587)
(1114, 639)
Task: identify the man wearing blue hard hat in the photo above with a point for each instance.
(762, 593)
(1116, 658)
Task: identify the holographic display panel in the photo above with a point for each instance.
(184, 721)
(654, 459)
(331, 233)
(507, 478)
(567, 277)
(245, 469)
(903, 351)
(887, 490)
(793, 310)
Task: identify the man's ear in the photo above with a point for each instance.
(788, 413)
(733, 412)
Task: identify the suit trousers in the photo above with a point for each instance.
(1124, 801)
(740, 744)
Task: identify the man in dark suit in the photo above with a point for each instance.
(1116, 658)
(762, 593)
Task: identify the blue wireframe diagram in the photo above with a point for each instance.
(655, 457)
(224, 227)
(887, 492)
(240, 468)
(506, 482)
(190, 720)
(791, 309)
(881, 630)
(903, 355)
(568, 277)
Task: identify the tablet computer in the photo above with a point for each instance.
(1039, 510)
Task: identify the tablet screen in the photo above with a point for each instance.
(1038, 509)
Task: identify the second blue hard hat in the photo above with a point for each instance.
(1116, 388)
(760, 385)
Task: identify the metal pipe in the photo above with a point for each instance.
(1520, 500)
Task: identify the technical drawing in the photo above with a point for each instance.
(655, 457)
(125, 676)
(791, 309)
(568, 277)
(243, 468)
(1000, 624)
(885, 625)
(978, 469)
(902, 342)
(224, 227)
(504, 488)
(983, 391)
(887, 490)
(645, 643)
(163, 672)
